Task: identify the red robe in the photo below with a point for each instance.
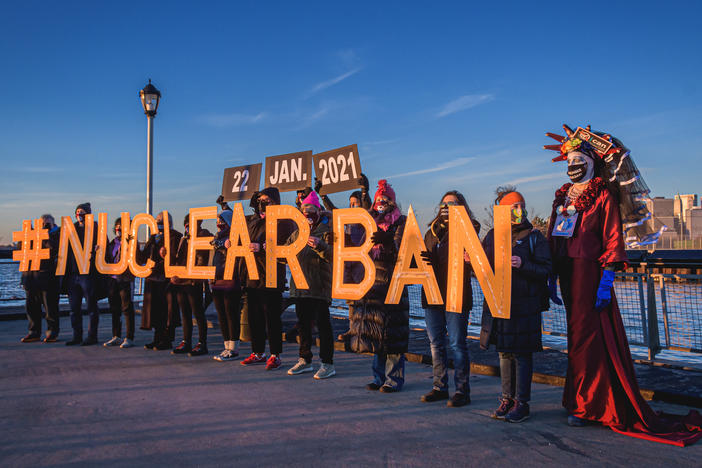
(601, 383)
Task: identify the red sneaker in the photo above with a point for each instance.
(254, 359)
(273, 362)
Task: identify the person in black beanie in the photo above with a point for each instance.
(82, 285)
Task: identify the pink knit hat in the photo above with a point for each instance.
(312, 199)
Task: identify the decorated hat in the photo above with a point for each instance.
(311, 199)
(384, 189)
(583, 140)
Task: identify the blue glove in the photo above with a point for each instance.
(553, 289)
(604, 292)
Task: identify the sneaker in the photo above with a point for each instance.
(273, 362)
(458, 400)
(519, 413)
(151, 345)
(254, 359)
(506, 405)
(225, 355)
(114, 341)
(89, 341)
(30, 338)
(435, 395)
(372, 387)
(575, 421)
(50, 339)
(182, 348)
(325, 371)
(127, 343)
(200, 349)
(163, 346)
(389, 389)
(301, 367)
(75, 341)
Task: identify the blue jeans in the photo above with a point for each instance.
(79, 287)
(441, 324)
(389, 370)
(516, 370)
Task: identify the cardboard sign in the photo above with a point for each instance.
(289, 172)
(241, 182)
(597, 142)
(338, 169)
(100, 263)
(31, 253)
(288, 252)
(169, 270)
(344, 253)
(411, 247)
(497, 286)
(81, 251)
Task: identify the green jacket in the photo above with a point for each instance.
(316, 264)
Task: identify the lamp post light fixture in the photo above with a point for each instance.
(150, 97)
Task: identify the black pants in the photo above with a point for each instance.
(48, 298)
(228, 305)
(315, 309)
(265, 307)
(120, 299)
(173, 318)
(190, 302)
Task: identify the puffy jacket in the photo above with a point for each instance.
(316, 264)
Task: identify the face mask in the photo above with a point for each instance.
(160, 227)
(47, 226)
(80, 217)
(187, 230)
(221, 225)
(262, 206)
(118, 232)
(581, 167)
(444, 210)
(312, 218)
(519, 215)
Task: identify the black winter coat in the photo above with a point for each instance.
(257, 234)
(379, 327)
(45, 278)
(439, 250)
(316, 264)
(521, 333)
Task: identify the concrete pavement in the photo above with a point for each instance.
(97, 406)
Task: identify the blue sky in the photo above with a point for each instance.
(437, 96)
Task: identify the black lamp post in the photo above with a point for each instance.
(150, 97)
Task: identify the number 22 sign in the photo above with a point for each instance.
(338, 169)
(240, 183)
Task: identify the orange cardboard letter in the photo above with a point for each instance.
(81, 252)
(496, 287)
(343, 254)
(199, 243)
(288, 252)
(411, 246)
(100, 263)
(140, 271)
(31, 254)
(239, 237)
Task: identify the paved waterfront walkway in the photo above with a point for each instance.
(96, 406)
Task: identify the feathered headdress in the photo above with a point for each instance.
(623, 179)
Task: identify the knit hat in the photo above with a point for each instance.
(312, 199)
(85, 207)
(226, 215)
(272, 193)
(511, 198)
(384, 189)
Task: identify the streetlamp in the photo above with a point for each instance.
(150, 97)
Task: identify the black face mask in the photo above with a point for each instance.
(262, 206)
(47, 226)
(577, 172)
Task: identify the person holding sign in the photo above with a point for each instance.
(379, 328)
(517, 338)
(439, 321)
(265, 304)
(357, 199)
(119, 290)
(313, 303)
(601, 382)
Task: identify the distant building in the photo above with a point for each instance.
(683, 217)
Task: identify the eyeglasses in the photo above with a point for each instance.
(450, 203)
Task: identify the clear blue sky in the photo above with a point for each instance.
(438, 96)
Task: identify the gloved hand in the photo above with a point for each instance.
(382, 237)
(604, 291)
(363, 182)
(427, 257)
(553, 289)
(317, 185)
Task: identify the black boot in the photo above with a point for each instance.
(200, 349)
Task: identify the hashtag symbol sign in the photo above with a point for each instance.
(30, 253)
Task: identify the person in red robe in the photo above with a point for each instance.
(588, 246)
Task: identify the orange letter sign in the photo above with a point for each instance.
(344, 254)
(100, 263)
(81, 252)
(288, 252)
(239, 237)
